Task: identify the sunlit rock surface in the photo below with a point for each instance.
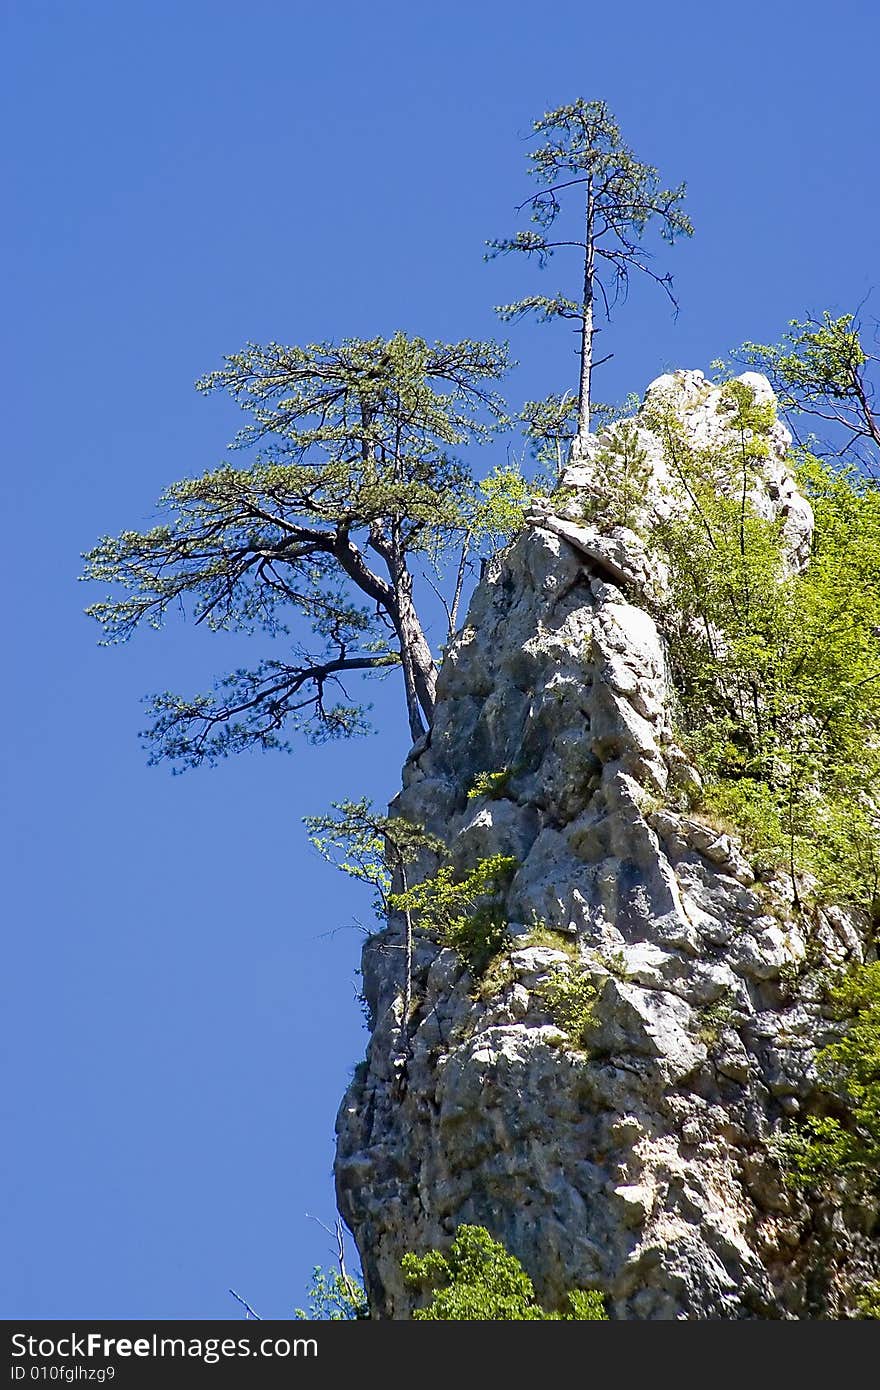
(639, 1166)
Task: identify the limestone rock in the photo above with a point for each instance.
(640, 1164)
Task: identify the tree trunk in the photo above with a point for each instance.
(408, 962)
(419, 671)
(587, 321)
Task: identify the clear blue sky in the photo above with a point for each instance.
(178, 981)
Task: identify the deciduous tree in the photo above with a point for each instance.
(824, 374)
(479, 1281)
(377, 850)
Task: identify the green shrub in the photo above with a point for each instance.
(490, 784)
(868, 1302)
(776, 674)
(466, 912)
(478, 1281)
(620, 470)
(570, 996)
(714, 1018)
(825, 1146)
(334, 1297)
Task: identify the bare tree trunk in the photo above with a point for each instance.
(416, 727)
(408, 960)
(587, 321)
(419, 670)
(452, 612)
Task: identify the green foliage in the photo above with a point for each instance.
(571, 996)
(615, 963)
(490, 784)
(580, 147)
(714, 1018)
(373, 849)
(754, 812)
(551, 425)
(822, 373)
(542, 935)
(500, 503)
(465, 911)
(500, 972)
(619, 472)
(814, 1152)
(827, 1147)
(478, 1281)
(587, 1305)
(368, 846)
(496, 975)
(816, 359)
(334, 1297)
(868, 1302)
(777, 674)
(313, 543)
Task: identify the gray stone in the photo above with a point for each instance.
(639, 1165)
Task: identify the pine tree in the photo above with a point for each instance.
(318, 542)
(581, 148)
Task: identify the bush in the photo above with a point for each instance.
(490, 784)
(868, 1302)
(777, 674)
(570, 997)
(478, 1281)
(334, 1297)
(825, 1147)
(467, 912)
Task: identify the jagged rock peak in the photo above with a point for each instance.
(699, 405)
(640, 1165)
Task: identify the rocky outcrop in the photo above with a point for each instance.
(639, 1161)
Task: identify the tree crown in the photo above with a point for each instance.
(478, 1280)
(356, 474)
(582, 147)
(824, 374)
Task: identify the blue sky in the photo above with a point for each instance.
(178, 990)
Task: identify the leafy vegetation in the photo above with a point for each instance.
(463, 910)
(371, 848)
(570, 996)
(334, 1297)
(619, 472)
(478, 1281)
(550, 426)
(847, 1144)
(490, 784)
(777, 673)
(822, 373)
(868, 1302)
(466, 911)
(714, 1018)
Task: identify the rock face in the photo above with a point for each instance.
(638, 1163)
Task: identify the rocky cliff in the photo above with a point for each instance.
(638, 1162)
